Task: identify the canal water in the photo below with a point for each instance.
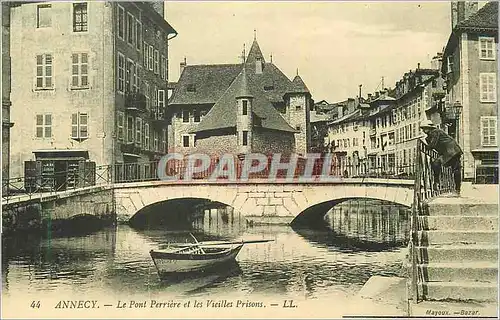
(359, 239)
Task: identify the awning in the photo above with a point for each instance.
(495, 150)
(131, 155)
(61, 154)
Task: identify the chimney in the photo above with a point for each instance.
(462, 10)
(182, 65)
(258, 66)
(418, 65)
(369, 97)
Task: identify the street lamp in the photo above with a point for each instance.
(453, 115)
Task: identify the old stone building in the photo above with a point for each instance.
(6, 87)
(471, 69)
(239, 108)
(90, 81)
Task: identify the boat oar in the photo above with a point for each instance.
(217, 243)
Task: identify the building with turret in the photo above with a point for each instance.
(239, 108)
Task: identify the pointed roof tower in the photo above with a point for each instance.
(254, 54)
(241, 83)
(299, 86)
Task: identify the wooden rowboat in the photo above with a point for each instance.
(196, 257)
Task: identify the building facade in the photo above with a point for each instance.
(239, 108)
(379, 136)
(6, 101)
(90, 83)
(470, 67)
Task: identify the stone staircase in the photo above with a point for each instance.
(458, 250)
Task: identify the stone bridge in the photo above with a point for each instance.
(284, 202)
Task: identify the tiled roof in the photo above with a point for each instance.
(484, 18)
(223, 113)
(211, 81)
(299, 86)
(348, 117)
(255, 53)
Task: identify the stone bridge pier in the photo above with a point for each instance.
(263, 202)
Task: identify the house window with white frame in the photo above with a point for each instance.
(487, 48)
(145, 57)
(161, 99)
(130, 28)
(121, 22)
(121, 73)
(488, 87)
(130, 129)
(79, 70)
(44, 72)
(120, 125)
(129, 77)
(138, 132)
(155, 140)
(43, 15)
(79, 126)
(449, 64)
(164, 140)
(489, 131)
(146, 137)
(80, 17)
(147, 95)
(185, 141)
(154, 94)
(43, 128)
(156, 62)
(138, 35)
(150, 58)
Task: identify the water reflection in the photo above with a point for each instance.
(307, 263)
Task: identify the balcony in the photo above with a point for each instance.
(130, 149)
(135, 102)
(158, 118)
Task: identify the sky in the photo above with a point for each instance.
(335, 46)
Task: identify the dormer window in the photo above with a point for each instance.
(269, 87)
(258, 66)
(191, 88)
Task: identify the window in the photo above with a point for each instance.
(245, 138)
(43, 16)
(121, 22)
(44, 71)
(137, 77)
(154, 94)
(138, 35)
(489, 131)
(121, 73)
(79, 70)
(449, 64)
(155, 140)
(79, 126)
(245, 107)
(157, 62)
(161, 99)
(80, 17)
(165, 68)
(197, 116)
(298, 128)
(164, 140)
(162, 67)
(145, 55)
(487, 48)
(130, 129)
(146, 94)
(130, 28)
(146, 136)
(185, 141)
(43, 125)
(138, 132)
(488, 87)
(298, 108)
(129, 77)
(185, 116)
(191, 88)
(120, 124)
(150, 58)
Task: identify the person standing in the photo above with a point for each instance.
(450, 153)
